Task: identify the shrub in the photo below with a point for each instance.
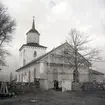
(92, 86)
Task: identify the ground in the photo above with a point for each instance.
(52, 97)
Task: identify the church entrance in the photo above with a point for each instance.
(55, 79)
(56, 85)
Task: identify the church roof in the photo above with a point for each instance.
(95, 72)
(33, 29)
(39, 58)
(32, 45)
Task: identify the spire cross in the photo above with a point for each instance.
(33, 25)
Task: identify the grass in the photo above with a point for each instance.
(52, 97)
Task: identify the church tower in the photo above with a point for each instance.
(33, 34)
(32, 49)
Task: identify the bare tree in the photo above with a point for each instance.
(78, 42)
(7, 26)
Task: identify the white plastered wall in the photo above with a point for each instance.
(27, 53)
(25, 73)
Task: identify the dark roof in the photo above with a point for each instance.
(33, 31)
(95, 72)
(33, 61)
(33, 45)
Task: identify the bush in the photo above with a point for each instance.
(19, 88)
(92, 86)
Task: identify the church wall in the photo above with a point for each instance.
(98, 78)
(62, 74)
(43, 70)
(66, 73)
(27, 54)
(21, 55)
(24, 73)
(83, 74)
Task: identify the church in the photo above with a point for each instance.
(47, 67)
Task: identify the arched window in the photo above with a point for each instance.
(24, 62)
(24, 50)
(19, 78)
(34, 73)
(29, 76)
(35, 54)
(22, 77)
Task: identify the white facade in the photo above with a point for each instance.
(51, 67)
(28, 74)
(32, 49)
(27, 54)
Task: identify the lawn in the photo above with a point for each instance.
(52, 97)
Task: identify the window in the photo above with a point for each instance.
(24, 62)
(19, 78)
(29, 77)
(22, 77)
(35, 54)
(66, 52)
(34, 74)
(24, 50)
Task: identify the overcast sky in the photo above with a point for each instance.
(53, 20)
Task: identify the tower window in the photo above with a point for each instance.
(35, 54)
(24, 61)
(24, 51)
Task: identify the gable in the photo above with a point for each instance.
(57, 54)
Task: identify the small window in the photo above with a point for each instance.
(23, 51)
(66, 52)
(24, 62)
(34, 73)
(35, 54)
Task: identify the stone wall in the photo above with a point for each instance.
(19, 88)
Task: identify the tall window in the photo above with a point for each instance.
(22, 77)
(24, 62)
(24, 51)
(19, 78)
(34, 74)
(35, 54)
(29, 76)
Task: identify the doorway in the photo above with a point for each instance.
(56, 85)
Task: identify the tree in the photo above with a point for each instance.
(7, 27)
(78, 42)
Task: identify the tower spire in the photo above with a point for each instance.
(33, 24)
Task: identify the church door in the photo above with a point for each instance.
(55, 78)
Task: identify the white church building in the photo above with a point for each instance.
(36, 63)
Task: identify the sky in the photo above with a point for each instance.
(54, 19)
